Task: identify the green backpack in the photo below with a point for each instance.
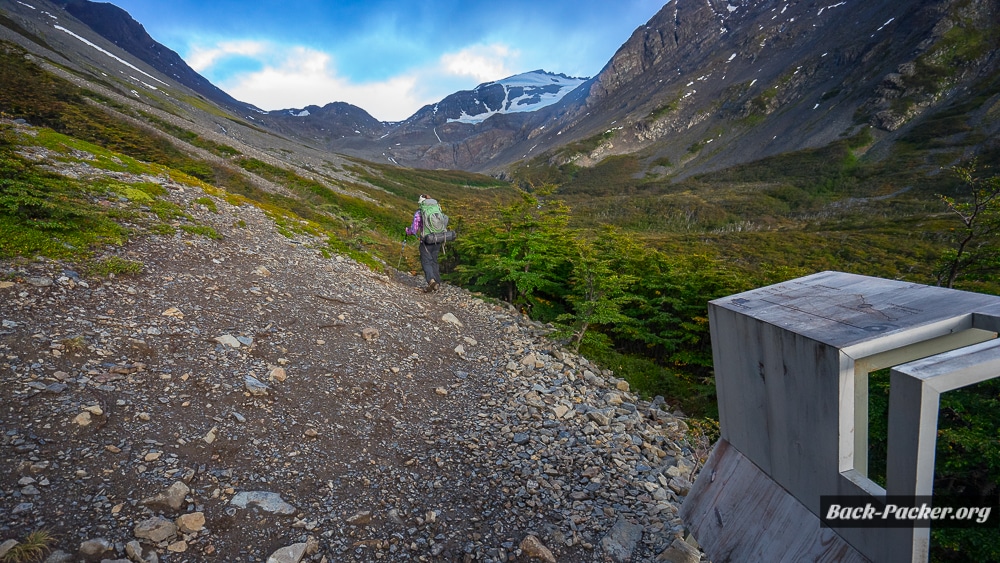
(432, 219)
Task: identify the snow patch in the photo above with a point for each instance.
(122, 61)
(525, 92)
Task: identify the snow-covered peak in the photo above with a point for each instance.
(529, 91)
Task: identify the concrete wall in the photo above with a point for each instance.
(791, 366)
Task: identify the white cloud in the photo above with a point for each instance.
(482, 62)
(295, 77)
(201, 58)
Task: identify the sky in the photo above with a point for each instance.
(389, 57)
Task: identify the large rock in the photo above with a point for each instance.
(535, 549)
(95, 549)
(155, 529)
(680, 552)
(172, 498)
(268, 502)
(621, 541)
(191, 522)
(291, 554)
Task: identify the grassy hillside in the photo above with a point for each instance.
(363, 218)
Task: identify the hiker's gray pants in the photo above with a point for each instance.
(429, 261)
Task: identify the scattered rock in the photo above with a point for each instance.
(9, 544)
(266, 501)
(228, 340)
(291, 554)
(622, 540)
(191, 522)
(362, 518)
(255, 386)
(95, 549)
(277, 374)
(172, 498)
(141, 554)
(452, 320)
(430, 420)
(155, 529)
(680, 552)
(212, 435)
(535, 549)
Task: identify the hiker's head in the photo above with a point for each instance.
(421, 198)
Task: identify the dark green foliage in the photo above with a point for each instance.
(521, 255)
(967, 460)
(598, 289)
(613, 296)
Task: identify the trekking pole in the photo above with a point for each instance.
(401, 249)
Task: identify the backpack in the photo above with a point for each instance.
(432, 219)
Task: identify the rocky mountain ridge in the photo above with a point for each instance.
(116, 25)
(706, 85)
(245, 398)
(701, 86)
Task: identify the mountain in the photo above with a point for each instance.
(710, 84)
(704, 85)
(116, 25)
(468, 128)
(521, 93)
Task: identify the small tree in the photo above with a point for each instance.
(521, 254)
(597, 292)
(975, 248)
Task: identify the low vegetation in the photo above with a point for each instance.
(33, 549)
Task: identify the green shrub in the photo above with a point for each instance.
(201, 230)
(209, 203)
(32, 549)
(113, 265)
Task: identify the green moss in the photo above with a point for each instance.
(201, 230)
(163, 229)
(113, 266)
(209, 203)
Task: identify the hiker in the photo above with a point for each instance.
(428, 251)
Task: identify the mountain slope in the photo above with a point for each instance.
(703, 85)
(117, 26)
(711, 84)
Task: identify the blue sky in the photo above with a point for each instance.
(388, 57)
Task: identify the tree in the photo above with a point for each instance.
(522, 254)
(598, 288)
(975, 248)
